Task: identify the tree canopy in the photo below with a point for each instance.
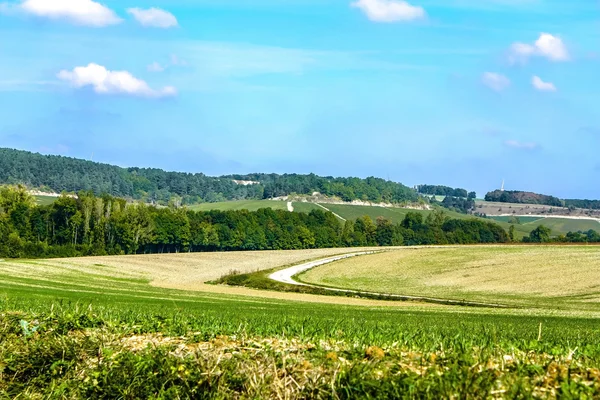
(92, 225)
(58, 174)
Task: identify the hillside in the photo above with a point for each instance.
(58, 174)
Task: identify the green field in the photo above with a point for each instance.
(250, 205)
(522, 220)
(396, 215)
(557, 224)
(564, 225)
(549, 277)
(106, 332)
(44, 200)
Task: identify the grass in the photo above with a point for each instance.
(522, 220)
(253, 205)
(222, 348)
(115, 345)
(45, 200)
(96, 328)
(250, 205)
(551, 277)
(174, 271)
(563, 225)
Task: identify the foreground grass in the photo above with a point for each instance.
(550, 277)
(225, 348)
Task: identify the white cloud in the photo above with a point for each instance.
(539, 84)
(104, 81)
(79, 12)
(547, 45)
(389, 10)
(155, 67)
(495, 81)
(515, 144)
(153, 17)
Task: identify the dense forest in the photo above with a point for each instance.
(523, 198)
(58, 174)
(438, 190)
(90, 225)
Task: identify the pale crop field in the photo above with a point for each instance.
(551, 277)
(148, 275)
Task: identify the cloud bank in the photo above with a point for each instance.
(389, 10)
(104, 81)
(153, 17)
(542, 86)
(547, 46)
(79, 12)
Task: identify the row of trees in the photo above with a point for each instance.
(439, 190)
(543, 234)
(522, 198)
(370, 189)
(58, 174)
(90, 225)
(458, 204)
(589, 204)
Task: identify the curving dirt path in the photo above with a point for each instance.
(287, 276)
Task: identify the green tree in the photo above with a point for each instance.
(511, 233)
(541, 234)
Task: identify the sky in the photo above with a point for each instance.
(464, 93)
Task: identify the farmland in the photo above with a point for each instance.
(396, 215)
(250, 205)
(102, 327)
(523, 276)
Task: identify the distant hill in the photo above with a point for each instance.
(58, 174)
(522, 198)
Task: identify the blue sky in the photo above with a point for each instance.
(457, 92)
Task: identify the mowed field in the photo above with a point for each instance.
(550, 277)
(157, 275)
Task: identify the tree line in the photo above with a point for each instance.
(100, 225)
(155, 186)
(519, 197)
(543, 234)
(589, 204)
(439, 190)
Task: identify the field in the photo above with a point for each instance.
(185, 271)
(101, 327)
(522, 220)
(396, 215)
(45, 200)
(250, 205)
(549, 277)
(496, 208)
